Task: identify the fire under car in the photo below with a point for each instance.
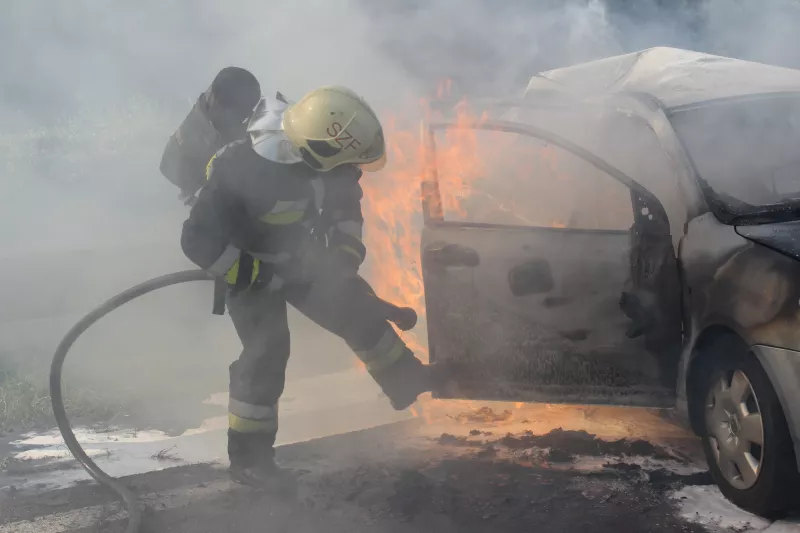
(631, 237)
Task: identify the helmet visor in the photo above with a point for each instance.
(309, 159)
(322, 148)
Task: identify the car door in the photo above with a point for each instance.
(549, 275)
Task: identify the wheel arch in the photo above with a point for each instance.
(702, 357)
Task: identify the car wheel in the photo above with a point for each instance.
(745, 437)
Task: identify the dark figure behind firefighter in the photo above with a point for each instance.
(218, 117)
(279, 217)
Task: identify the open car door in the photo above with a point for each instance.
(549, 276)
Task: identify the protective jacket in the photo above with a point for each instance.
(276, 214)
(282, 234)
(300, 234)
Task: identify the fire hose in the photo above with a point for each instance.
(405, 318)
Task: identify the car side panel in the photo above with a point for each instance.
(533, 314)
(737, 285)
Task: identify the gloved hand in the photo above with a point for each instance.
(244, 272)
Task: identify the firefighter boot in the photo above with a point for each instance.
(404, 380)
(252, 459)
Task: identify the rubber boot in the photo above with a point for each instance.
(252, 458)
(404, 381)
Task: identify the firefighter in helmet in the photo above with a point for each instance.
(280, 219)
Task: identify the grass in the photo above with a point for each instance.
(25, 403)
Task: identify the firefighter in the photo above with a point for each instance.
(218, 117)
(280, 218)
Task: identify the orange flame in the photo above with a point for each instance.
(393, 210)
(483, 176)
(392, 203)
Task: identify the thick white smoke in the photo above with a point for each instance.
(90, 91)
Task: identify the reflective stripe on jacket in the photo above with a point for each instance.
(270, 211)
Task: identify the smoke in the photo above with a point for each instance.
(91, 90)
(57, 58)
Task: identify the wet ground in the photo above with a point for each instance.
(454, 467)
(38, 461)
(351, 486)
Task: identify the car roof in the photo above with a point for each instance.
(674, 76)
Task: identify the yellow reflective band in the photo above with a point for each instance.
(286, 212)
(252, 411)
(208, 166)
(388, 359)
(233, 272)
(282, 219)
(350, 250)
(244, 425)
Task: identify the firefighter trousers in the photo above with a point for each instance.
(257, 377)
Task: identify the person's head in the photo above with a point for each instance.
(233, 95)
(333, 126)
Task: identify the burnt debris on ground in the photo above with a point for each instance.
(384, 480)
(464, 494)
(564, 445)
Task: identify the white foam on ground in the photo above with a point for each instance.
(307, 414)
(61, 455)
(705, 505)
(89, 436)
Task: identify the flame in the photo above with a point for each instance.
(437, 412)
(483, 176)
(393, 210)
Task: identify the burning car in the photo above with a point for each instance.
(629, 234)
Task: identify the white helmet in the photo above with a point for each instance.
(332, 126)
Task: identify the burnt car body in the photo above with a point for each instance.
(689, 298)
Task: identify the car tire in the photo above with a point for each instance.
(772, 493)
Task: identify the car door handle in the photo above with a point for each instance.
(451, 255)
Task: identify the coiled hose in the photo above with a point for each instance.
(132, 505)
(404, 317)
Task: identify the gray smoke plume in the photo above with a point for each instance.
(90, 91)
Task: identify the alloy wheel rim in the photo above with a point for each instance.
(735, 429)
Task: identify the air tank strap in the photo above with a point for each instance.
(220, 294)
